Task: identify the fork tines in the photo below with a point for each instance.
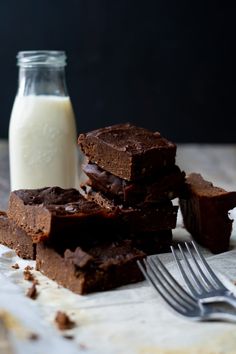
(165, 284)
(195, 270)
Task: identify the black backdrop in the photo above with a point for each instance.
(165, 65)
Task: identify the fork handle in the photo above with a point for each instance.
(229, 299)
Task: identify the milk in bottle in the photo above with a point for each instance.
(42, 131)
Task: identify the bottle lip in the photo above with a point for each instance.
(31, 58)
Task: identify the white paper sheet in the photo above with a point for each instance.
(131, 319)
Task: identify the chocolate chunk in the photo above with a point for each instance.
(79, 258)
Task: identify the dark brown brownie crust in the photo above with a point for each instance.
(167, 184)
(127, 151)
(16, 238)
(205, 213)
(100, 268)
(50, 212)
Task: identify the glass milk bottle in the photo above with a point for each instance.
(42, 130)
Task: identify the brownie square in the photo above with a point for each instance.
(99, 268)
(205, 213)
(127, 151)
(57, 213)
(16, 238)
(167, 184)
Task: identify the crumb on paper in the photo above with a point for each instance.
(68, 336)
(28, 275)
(33, 336)
(32, 292)
(63, 321)
(15, 266)
(28, 267)
(82, 346)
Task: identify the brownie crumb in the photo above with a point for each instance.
(15, 266)
(35, 281)
(82, 346)
(28, 275)
(33, 336)
(32, 292)
(63, 321)
(28, 267)
(69, 337)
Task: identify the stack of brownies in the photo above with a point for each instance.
(132, 171)
(92, 242)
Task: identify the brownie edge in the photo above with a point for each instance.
(205, 208)
(16, 238)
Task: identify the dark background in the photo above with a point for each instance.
(165, 65)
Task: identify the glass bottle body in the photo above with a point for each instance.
(42, 130)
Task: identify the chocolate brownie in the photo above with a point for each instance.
(16, 238)
(205, 213)
(127, 151)
(167, 184)
(80, 221)
(156, 217)
(52, 212)
(84, 271)
(152, 242)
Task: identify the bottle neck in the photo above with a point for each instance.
(42, 80)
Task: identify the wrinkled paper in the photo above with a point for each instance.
(132, 319)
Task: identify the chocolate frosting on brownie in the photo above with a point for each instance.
(57, 200)
(127, 151)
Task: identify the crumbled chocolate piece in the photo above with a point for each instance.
(28, 267)
(63, 321)
(15, 266)
(79, 258)
(82, 346)
(28, 275)
(67, 336)
(33, 336)
(32, 292)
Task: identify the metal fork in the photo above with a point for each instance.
(176, 297)
(199, 277)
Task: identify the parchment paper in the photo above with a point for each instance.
(131, 319)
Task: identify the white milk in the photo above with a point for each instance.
(42, 142)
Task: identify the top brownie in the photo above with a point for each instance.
(127, 151)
